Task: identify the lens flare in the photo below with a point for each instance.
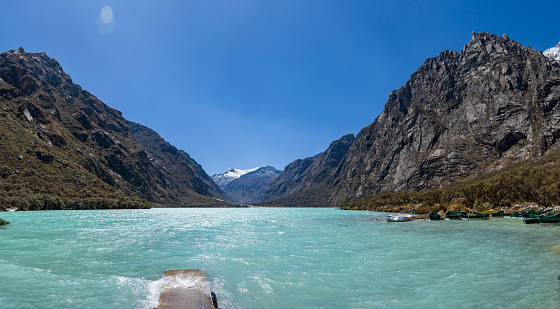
(106, 21)
(106, 14)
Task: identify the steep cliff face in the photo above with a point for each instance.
(59, 140)
(186, 173)
(313, 172)
(250, 187)
(459, 115)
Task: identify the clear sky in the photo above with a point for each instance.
(255, 83)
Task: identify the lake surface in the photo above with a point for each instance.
(276, 258)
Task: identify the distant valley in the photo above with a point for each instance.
(246, 186)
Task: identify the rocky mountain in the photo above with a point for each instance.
(250, 187)
(460, 115)
(222, 179)
(64, 148)
(310, 173)
(553, 52)
(186, 173)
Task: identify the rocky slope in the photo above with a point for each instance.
(186, 173)
(459, 115)
(250, 187)
(60, 143)
(309, 173)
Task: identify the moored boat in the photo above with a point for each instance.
(435, 216)
(399, 218)
(534, 214)
(474, 216)
(500, 213)
(452, 215)
(513, 214)
(554, 218)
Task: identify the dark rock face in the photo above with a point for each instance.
(459, 115)
(182, 168)
(313, 172)
(250, 188)
(70, 139)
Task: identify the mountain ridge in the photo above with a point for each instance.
(309, 173)
(222, 179)
(64, 148)
(460, 115)
(177, 162)
(250, 187)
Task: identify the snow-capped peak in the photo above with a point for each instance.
(222, 179)
(553, 53)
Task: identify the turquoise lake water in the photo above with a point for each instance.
(276, 258)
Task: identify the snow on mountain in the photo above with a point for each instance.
(222, 179)
(553, 52)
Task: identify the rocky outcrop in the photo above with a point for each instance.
(309, 173)
(250, 187)
(459, 115)
(60, 141)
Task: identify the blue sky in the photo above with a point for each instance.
(255, 83)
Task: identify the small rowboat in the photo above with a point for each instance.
(474, 216)
(399, 218)
(435, 216)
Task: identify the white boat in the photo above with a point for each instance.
(399, 218)
(12, 209)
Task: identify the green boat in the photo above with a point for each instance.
(474, 216)
(513, 215)
(451, 215)
(554, 218)
(500, 213)
(435, 216)
(534, 214)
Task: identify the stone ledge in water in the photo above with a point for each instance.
(185, 289)
(3, 222)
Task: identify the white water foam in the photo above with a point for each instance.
(154, 288)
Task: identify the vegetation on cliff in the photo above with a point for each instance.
(531, 181)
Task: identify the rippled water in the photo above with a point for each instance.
(276, 258)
